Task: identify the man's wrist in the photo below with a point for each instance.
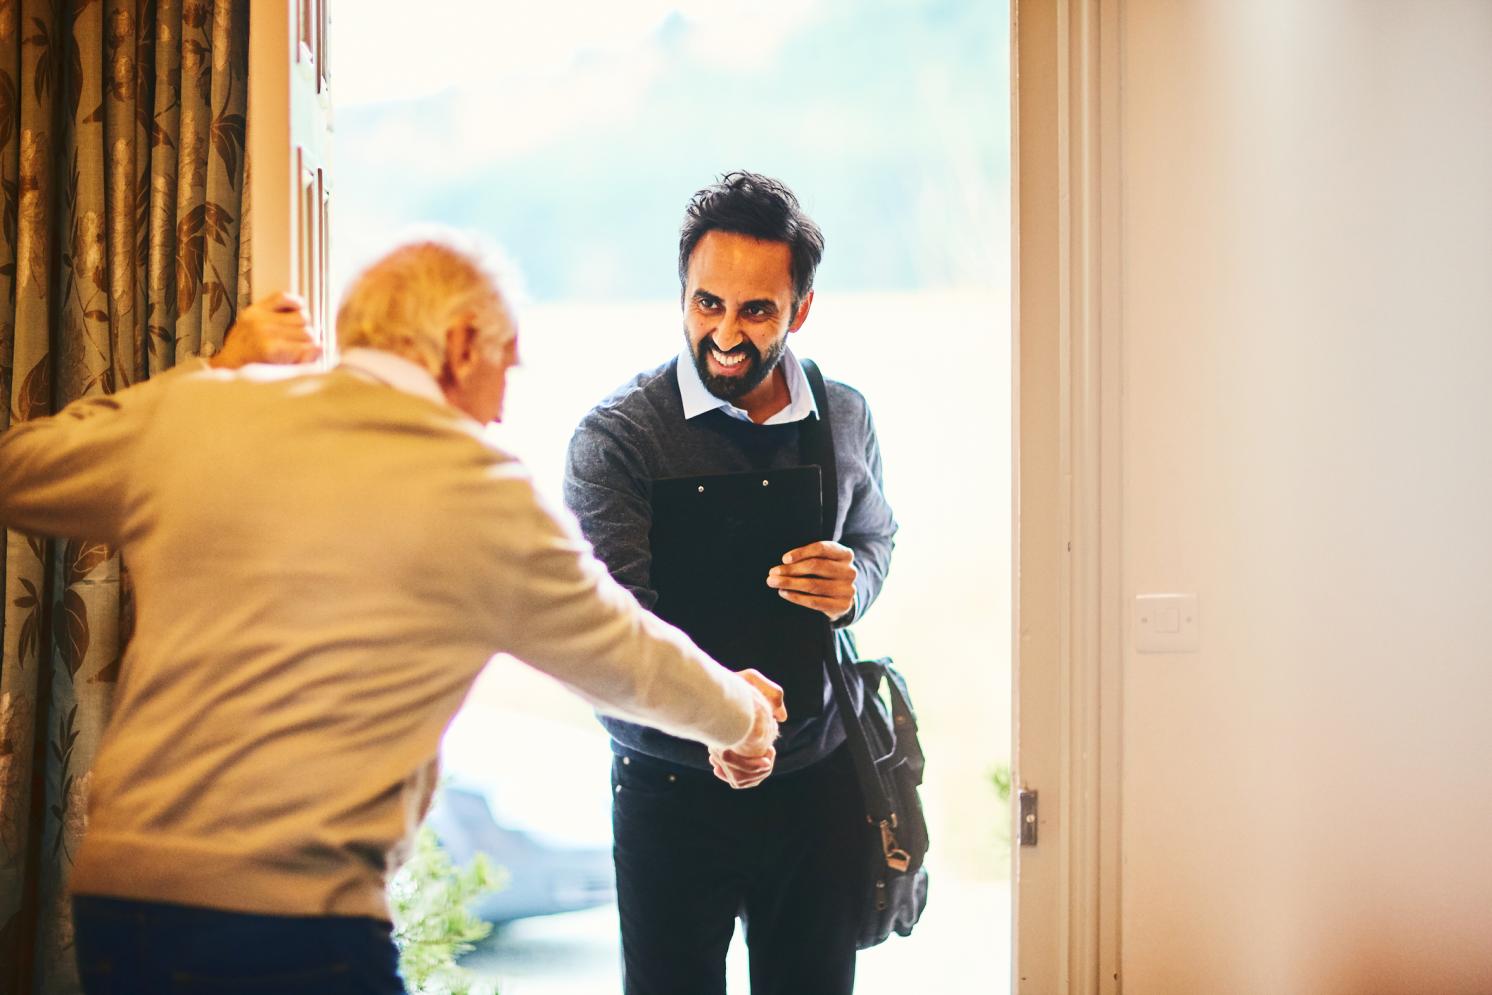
(850, 613)
(741, 734)
(755, 740)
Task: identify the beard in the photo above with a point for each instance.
(758, 367)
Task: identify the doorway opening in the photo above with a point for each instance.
(572, 135)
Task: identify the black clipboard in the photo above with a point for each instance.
(713, 540)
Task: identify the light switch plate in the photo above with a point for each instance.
(1167, 623)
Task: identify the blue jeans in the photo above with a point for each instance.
(150, 948)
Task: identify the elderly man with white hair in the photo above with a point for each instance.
(323, 562)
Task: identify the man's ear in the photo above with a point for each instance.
(461, 349)
(801, 314)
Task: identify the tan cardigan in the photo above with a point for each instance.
(322, 566)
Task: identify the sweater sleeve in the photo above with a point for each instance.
(869, 527)
(567, 617)
(66, 475)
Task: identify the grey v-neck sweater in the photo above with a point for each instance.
(638, 435)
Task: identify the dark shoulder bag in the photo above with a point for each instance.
(881, 734)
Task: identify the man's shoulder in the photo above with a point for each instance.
(338, 409)
(649, 399)
(223, 395)
(842, 394)
(848, 408)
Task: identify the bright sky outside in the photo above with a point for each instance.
(471, 43)
(574, 132)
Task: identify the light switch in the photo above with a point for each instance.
(1167, 623)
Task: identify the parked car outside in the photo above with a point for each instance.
(534, 795)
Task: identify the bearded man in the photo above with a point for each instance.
(691, 853)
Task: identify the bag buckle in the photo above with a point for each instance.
(896, 858)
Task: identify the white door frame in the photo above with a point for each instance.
(1068, 626)
(289, 156)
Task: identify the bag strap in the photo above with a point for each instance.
(818, 447)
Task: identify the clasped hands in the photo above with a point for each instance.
(820, 576)
(748, 762)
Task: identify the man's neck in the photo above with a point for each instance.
(767, 398)
(406, 373)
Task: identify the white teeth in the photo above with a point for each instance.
(728, 361)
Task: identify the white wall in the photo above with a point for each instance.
(1307, 444)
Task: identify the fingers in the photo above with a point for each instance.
(285, 320)
(283, 301)
(735, 775)
(821, 569)
(296, 352)
(254, 343)
(826, 586)
(747, 763)
(826, 550)
(737, 781)
(281, 313)
(832, 607)
(740, 771)
(816, 567)
(299, 348)
(769, 690)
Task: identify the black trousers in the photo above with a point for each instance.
(692, 854)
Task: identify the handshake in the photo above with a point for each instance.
(747, 763)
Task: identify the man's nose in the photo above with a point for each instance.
(727, 335)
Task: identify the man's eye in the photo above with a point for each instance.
(707, 305)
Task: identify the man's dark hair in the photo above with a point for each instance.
(759, 207)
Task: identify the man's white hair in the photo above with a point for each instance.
(406, 300)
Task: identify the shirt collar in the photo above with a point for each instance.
(395, 371)
(698, 400)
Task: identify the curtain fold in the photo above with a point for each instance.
(122, 129)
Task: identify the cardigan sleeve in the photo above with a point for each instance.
(569, 618)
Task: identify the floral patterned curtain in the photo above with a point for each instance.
(121, 197)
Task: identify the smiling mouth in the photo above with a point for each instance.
(728, 361)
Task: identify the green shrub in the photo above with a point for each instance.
(1000, 778)
(430, 898)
